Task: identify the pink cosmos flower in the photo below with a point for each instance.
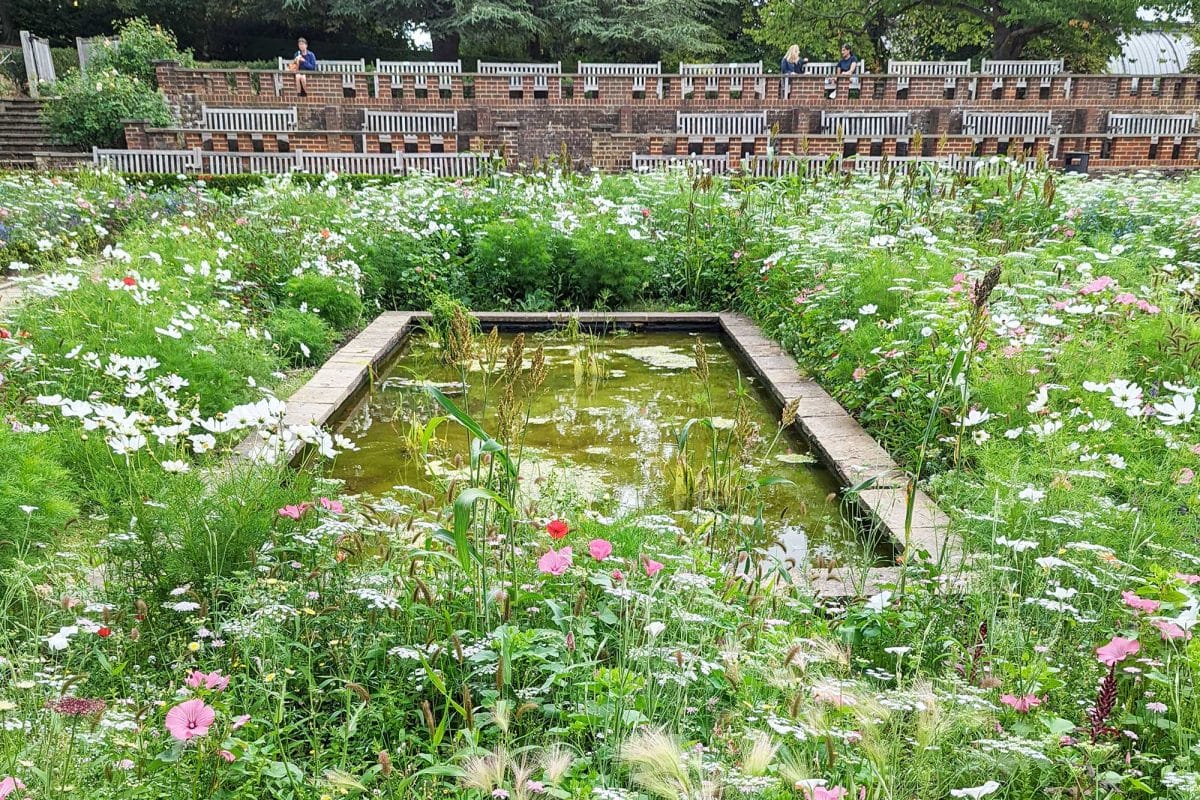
(1170, 630)
(190, 719)
(555, 562)
(207, 680)
(600, 549)
(1098, 285)
(228, 756)
(332, 505)
(859, 373)
(821, 793)
(1125, 299)
(9, 785)
(1117, 651)
(651, 566)
(1140, 603)
(1023, 704)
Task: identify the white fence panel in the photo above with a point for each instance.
(39, 65)
(252, 120)
(734, 124)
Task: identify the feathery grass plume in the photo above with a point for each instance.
(556, 760)
(701, 356)
(507, 413)
(343, 782)
(385, 763)
(931, 722)
(522, 771)
(486, 772)
(758, 757)
(657, 764)
(490, 349)
(537, 369)
(788, 418)
(502, 715)
(514, 358)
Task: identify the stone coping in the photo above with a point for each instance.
(880, 486)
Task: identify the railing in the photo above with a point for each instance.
(712, 163)
(925, 68)
(1151, 124)
(593, 72)
(517, 72)
(747, 124)
(332, 64)
(410, 122)
(1004, 124)
(853, 124)
(253, 120)
(421, 72)
(820, 68)
(1021, 69)
(453, 165)
(712, 73)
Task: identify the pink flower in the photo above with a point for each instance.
(295, 512)
(859, 373)
(190, 719)
(617, 575)
(1157, 708)
(9, 785)
(821, 793)
(555, 562)
(600, 549)
(1022, 705)
(1185, 477)
(126, 764)
(1117, 651)
(239, 721)
(207, 680)
(228, 756)
(1098, 285)
(1140, 603)
(332, 505)
(1188, 579)
(1170, 630)
(558, 529)
(651, 566)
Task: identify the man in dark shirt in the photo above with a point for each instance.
(305, 60)
(849, 65)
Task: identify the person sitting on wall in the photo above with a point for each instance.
(305, 60)
(850, 63)
(792, 63)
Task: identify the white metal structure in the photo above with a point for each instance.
(721, 125)
(592, 72)
(517, 72)
(252, 120)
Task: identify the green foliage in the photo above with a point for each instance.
(342, 308)
(514, 259)
(606, 266)
(35, 495)
(301, 337)
(141, 44)
(89, 110)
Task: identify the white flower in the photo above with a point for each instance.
(203, 442)
(879, 602)
(975, 417)
(1017, 545)
(846, 325)
(62, 639)
(176, 466)
(184, 606)
(868, 309)
(976, 792)
(1115, 461)
(1031, 495)
(655, 628)
(1178, 410)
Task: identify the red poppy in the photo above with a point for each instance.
(129, 280)
(4, 334)
(557, 529)
(104, 633)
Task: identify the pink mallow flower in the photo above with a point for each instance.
(600, 549)
(332, 505)
(294, 512)
(1117, 651)
(9, 785)
(1098, 285)
(651, 566)
(836, 793)
(207, 680)
(1140, 603)
(1023, 704)
(239, 721)
(190, 719)
(555, 562)
(1170, 630)
(1186, 578)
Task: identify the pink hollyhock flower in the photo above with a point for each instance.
(294, 512)
(1023, 704)
(558, 529)
(1117, 651)
(555, 562)
(190, 719)
(1140, 603)
(239, 721)
(332, 505)
(651, 566)
(600, 549)
(1188, 579)
(207, 680)
(9, 785)
(1170, 630)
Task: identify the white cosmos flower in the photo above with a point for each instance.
(868, 309)
(975, 417)
(655, 628)
(62, 639)
(845, 325)
(203, 442)
(976, 792)
(1017, 545)
(1031, 495)
(176, 466)
(1178, 410)
(879, 602)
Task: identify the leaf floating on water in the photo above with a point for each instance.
(660, 356)
(795, 458)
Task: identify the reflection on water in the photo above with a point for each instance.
(601, 441)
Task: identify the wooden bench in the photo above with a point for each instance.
(171, 162)
(517, 72)
(251, 120)
(1022, 71)
(410, 121)
(332, 64)
(950, 70)
(713, 73)
(713, 163)
(592, 72)
(726, 125)
(799, 166)
(420, 71)
(872, 124)
(1150, 124)
(1007, 124)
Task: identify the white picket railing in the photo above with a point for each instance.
(1021, 69)
(1151, 124)
(821, 68)
(453, 165)
(853, 124)
(517, 72)
(934, 68)
(332, 64)
(238, 163)
(729, 124)
(1006, 124)
(713, 73)
(253, 120)
(592, 72)
(173, 162)
(410, 121)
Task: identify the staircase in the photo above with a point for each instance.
(25, 141)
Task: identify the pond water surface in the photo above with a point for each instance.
(605, 440)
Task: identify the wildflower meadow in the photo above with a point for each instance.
(180, 621)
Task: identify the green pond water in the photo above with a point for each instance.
(603, 441)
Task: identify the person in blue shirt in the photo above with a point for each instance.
(849, 64)
(792, 63)
(305, 60)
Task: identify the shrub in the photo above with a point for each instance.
(512, 259)
(301, 337)
(606, 266)
(141, 44)
(30, 479)
(89, 110)
(340, 307)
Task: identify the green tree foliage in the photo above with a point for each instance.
(88, 110)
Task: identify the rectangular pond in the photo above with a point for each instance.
(623, 424)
